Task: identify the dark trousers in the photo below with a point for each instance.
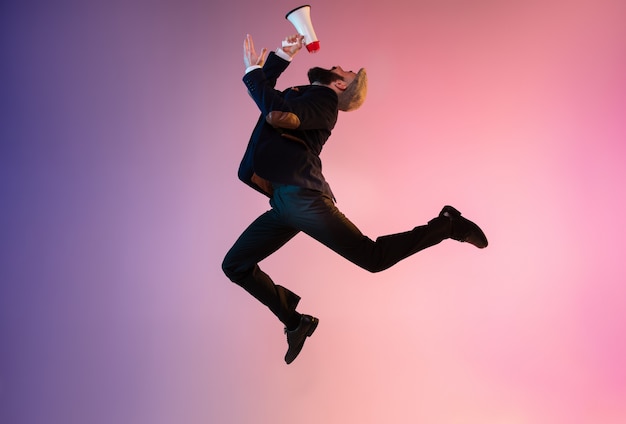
(295, 209)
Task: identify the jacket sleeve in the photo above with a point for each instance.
(314, 109)
(274, 66)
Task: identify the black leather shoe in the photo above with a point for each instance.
(463, 229)
(296, 338)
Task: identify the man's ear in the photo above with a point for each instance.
(340, 84)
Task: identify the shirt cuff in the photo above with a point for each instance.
(252, 68)
(281, 53)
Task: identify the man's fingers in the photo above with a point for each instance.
(262, 57)
(249, 54)
(248, 44)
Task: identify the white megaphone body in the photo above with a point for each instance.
(300, 17)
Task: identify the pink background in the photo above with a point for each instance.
(123, 126)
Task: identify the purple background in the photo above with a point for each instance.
(123, 124)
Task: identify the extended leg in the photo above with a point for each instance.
(317, 216)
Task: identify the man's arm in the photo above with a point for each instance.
(273, 67)
(261, 76)
(309, 111)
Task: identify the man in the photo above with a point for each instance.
(282, 161)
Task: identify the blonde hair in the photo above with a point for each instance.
(354, 95)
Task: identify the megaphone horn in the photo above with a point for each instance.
(300, 17)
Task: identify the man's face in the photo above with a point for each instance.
(348, 76)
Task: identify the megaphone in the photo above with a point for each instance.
(300, 17)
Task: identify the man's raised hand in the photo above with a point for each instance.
(250, 57)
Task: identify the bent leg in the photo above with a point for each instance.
(262, 238)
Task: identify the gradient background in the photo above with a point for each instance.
(123, 124)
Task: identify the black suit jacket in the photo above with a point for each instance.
(276, 155)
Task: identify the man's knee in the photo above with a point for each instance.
(374, 268)
(231, 269)
(369, 265)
